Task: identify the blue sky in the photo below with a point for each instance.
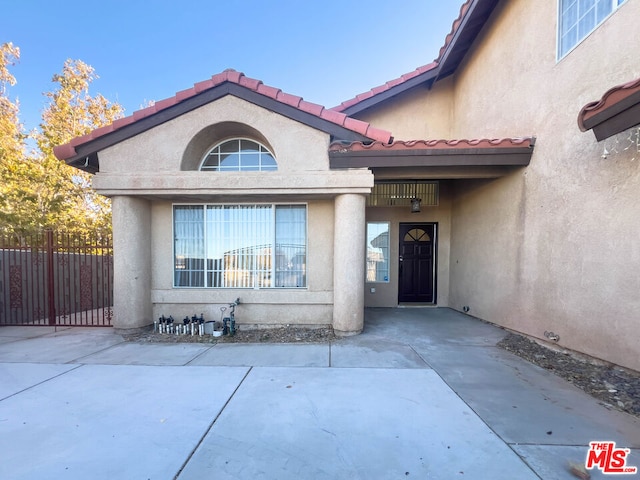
(325, 51)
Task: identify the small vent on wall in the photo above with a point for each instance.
(399, 194)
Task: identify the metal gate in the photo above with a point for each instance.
(56, 279)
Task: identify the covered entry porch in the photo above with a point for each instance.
(412, 212)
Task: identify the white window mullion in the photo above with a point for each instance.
(274, 249)
(577, 19)
(206, 246)
(236, 246)
(238, 154)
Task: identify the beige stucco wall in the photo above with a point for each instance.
(151, 163)
(554, 246)
(131, 262)
(418, 114)
(386, 294)
(150, 172)
(296, 146)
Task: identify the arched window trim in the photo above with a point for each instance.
(252, 166)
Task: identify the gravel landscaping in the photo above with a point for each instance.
(615, 387)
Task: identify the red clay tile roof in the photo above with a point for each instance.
(408, 76)
(383, 88)
(503, 152)
(67, 151)
(615, 102)
(464, 32)
(433, 145)
(454, 28)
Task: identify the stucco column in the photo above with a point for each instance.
(348, 264)
(131, 263)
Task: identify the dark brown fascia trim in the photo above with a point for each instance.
(477, 15)
(208, 96)
(87, 164)
(147, 123)
(443, 69)
(424, 78)
(459, 157)
(617, 118)
(452, 46)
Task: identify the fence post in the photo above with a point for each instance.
(51, 288)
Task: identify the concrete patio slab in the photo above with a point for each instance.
(350, 424)
(524, 403)
(259, 355)
(107, 422)
(552, 462)
(96, 419)
(7, 339)
(61, 347)
(15, 377)
(147, 354)
(430, 326)
(356, 352)
(29, 332)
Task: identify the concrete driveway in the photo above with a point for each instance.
(422, 393)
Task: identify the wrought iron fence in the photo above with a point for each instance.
(56, 279)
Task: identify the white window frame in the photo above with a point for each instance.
(613, 5)
(274, 270)
(262, 149)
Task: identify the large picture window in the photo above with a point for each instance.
(240, 246)
(578, 18)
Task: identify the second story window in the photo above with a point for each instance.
(239, 155)
(578, 18)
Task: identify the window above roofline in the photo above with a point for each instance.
(577, 19)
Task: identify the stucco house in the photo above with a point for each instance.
(474, 182)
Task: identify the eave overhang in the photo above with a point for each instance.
(82, 152)
(511, 152)
(474, 14)
(617, 111)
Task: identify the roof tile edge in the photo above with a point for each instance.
(68, 150)
(407, 76)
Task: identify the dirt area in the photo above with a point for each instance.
(615, 387)
(262, 335)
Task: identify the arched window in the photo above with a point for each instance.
(239, 155)
(417, 235)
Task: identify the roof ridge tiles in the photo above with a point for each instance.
(417, 72)
(268, 91)
(384, 87)
(68, 150)
(312, 108)
(454, 27)
(292, 100)
(250, 83)
(204, 85)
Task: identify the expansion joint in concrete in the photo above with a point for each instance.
(213, 422)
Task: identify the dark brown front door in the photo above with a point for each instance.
(417, 263)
